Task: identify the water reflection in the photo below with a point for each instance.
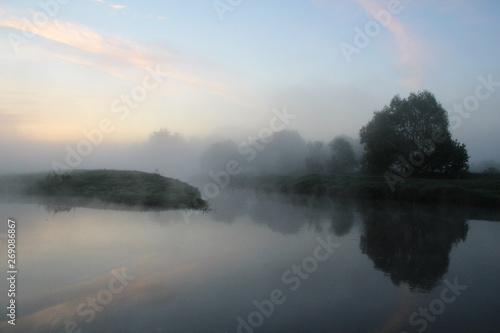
(213, 269)
(410, 243)
(57, 205)
(286, 214)
(342, 218)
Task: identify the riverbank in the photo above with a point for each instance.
(474, 190)
(131, 188)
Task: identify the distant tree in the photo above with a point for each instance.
(486, 166)
(285, 154)
(169, 152)
(411, 136)
(216, 157)
(343, 157)
(316, 158)
(164, 137)
(491, 170)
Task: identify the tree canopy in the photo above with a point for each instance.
(411, 137)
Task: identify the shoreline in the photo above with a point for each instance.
(134, 189)
(476, 190)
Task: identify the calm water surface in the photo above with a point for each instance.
(256, 263)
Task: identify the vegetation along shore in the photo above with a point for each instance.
(473, 189)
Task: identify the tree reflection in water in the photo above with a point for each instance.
(342, 218)
(55, 205)
(411, 244)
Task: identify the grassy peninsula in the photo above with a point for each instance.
(131, 188)
(473, 190)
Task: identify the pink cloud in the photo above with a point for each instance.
(410, 49)
(114, 55)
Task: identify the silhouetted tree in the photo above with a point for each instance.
(411, 136)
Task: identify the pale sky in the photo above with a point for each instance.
(66, 65)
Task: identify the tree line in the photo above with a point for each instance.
(408, 137)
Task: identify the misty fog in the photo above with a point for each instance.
(174, 155)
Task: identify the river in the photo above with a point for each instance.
(255, 263)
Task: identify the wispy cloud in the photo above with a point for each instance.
(73, 43)
(117, 6)
(111, 48)
(410, 48)
(114, 6)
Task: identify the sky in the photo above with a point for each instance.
(210, 68)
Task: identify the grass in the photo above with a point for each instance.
(474, 190)
(132, 188)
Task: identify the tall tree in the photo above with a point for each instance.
(411, 136)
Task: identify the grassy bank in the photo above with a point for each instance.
(475, 190)
(132, 188)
